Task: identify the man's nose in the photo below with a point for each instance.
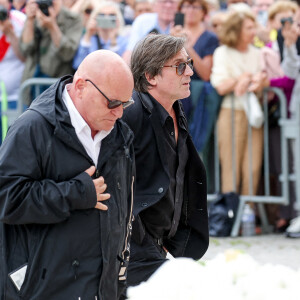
(188, 71)
(118, 111)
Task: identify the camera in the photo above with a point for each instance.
(106, 21)
(3, 13)
(44, 5)
(284, 20)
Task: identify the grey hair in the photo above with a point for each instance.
(150, 54)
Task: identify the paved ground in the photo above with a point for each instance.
(274, 249)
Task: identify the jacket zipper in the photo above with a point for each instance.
(129, 225)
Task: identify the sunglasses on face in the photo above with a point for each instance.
(180, 68)
(113, 103)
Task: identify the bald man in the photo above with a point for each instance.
(66, 176)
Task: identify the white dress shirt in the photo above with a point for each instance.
(83, 131)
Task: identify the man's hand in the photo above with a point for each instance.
(6, 27)
(290, 33)
(47, 21)
(31, 8)
(100, 187)
(242, 84)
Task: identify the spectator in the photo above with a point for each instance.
(170, 206)
(290, 65)
(61, 159)
(49, 42)
(11, 60)
(260, 9)
(84, 8)
(216, 22)
(276, 12)
(159, 22)
(237, 69)
(142, 7)
(18, 5)
(200, 43)
(102, 32)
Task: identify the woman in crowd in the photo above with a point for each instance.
(103, 31)
(236, 71)
(200, 43)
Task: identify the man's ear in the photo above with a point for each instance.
(151, 80)
(80, 85)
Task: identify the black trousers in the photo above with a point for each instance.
(145, 259)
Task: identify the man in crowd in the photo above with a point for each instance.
(170, 202)
(60, 160)
(159, 22)
(49, 40)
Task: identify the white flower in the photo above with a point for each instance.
(231, 275)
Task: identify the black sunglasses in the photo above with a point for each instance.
(113, 103)
(180, 68)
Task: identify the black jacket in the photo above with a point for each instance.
(47, 214)
(191, 239)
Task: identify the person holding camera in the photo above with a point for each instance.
(11, 60)
(49, 40)
(104, 31)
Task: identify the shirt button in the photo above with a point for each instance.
(172, 132)
(160, 190)
(144, 204)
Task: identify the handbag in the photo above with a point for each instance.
(253, 110)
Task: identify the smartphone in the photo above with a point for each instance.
(179, 19)
(106, 21)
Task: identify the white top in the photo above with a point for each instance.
(83, 131)
(11, 68)
(231, 63)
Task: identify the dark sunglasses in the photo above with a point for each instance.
(180, 68)
(113, 103)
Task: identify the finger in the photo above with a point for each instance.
(103, 197)
(101, 189)
(99, 181)
(101, 206)
(91, 170)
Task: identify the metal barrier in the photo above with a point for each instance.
(37, 84)
(289, 130)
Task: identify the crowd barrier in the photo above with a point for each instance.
(290, 130)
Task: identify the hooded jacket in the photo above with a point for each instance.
(49, 225)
